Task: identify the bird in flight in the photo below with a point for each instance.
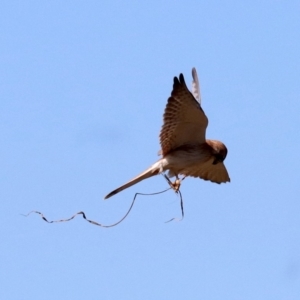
(184, 148)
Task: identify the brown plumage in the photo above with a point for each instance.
(184, 148)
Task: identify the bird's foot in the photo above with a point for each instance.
(174, 185)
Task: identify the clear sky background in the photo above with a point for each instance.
(83, 86)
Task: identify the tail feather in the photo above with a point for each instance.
(153, 170)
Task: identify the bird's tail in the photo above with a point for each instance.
(153, 170)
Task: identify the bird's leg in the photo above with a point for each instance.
(176, 185)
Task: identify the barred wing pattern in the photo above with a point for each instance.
(184, 120)
(208, 171)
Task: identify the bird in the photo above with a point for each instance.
(184, 148)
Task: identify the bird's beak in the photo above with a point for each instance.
(217, 160)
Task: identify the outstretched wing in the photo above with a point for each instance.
(184, 120)
(208, 171)
(196, 86)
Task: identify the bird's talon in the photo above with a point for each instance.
(176, 185)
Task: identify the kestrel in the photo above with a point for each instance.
(184, 149)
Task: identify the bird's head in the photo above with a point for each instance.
(219, 151)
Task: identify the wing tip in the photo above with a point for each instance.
(181, 78)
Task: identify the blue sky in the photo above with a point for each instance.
(83, 88)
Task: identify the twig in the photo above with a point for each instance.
(182, 211)
(99, 224)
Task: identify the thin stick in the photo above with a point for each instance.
(176, 187)
(91, 221)
(182, 210)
